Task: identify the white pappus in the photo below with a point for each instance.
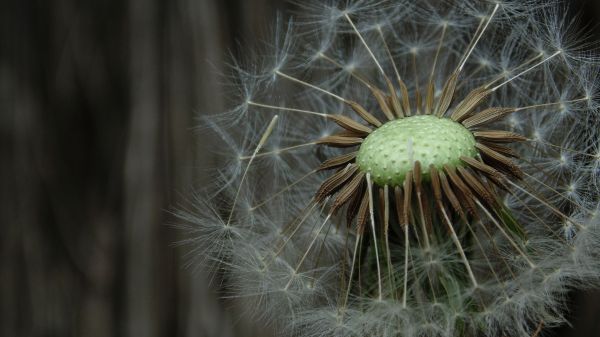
(323, 222)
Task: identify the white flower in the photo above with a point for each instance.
(402, 168)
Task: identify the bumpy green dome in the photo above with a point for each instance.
(390, 151)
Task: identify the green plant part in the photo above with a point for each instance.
(390, 152)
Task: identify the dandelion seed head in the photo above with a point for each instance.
(408, 169)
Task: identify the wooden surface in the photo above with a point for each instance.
(98, 101)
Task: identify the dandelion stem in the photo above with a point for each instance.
(483, 251)
(262, 203)
(320, 254)
(261, 143)
(477, 31)
(356, 247)
(296, 229)
(471, 74)
(594, 156)
(512, 242)
(386, 230)
(266, 106)
(417, 84)
(372, 218)
(458, 245)
(535, 215)
(561, 195)
(437, 53)
(406, 253)
(551, 104)
(366, 45)
(312, 86)
(527, 70)
(312, 243)
(390, 56)
(278, 151)
(468, 55)
(423, 222)
(545, 203)
(538, 330)
(352, 72)
(524, 64)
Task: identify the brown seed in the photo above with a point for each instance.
(355, 201)
(340, 141)
(405, 98)
(449, 193)
(502, 162)
(504, 150)
(488, 171)
(362, 215)
(338, 161)
(364, 114)
(333, 183)
(381, 100)
(350, 124)
(393, 99)
(473, 99)
(499, 136)
(465, 193)
(348, 191)
(476, 185)
(430, 98)
(399, 198)
(447, 95)
(487, 116)
(435, 183)
(417, 175)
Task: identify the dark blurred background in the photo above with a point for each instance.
(98, 100)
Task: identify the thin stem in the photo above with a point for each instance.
(406, 253)
(458, 245)
(261, 143)
(365, 44)
(594, 156)
(372, 218)
(278, 151)
(386, 230)
(437, 53)
(356, 247)
(417, 84)
(524, 64)
(551, 104)
(510, 240)
(312, 243)
(423, 222)
(266, 106)
(353, 73)
(262, 203)
(312, 86)
(538, 330)
(545, 203)
(390, 56)
(460, 68)
(295, 231)
(527, 70)
(559, 194)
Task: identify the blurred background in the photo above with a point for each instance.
(98, 100)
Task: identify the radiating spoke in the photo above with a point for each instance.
(261, 143)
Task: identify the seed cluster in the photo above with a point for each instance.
(463, 162)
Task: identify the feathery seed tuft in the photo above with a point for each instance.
(408, 168)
